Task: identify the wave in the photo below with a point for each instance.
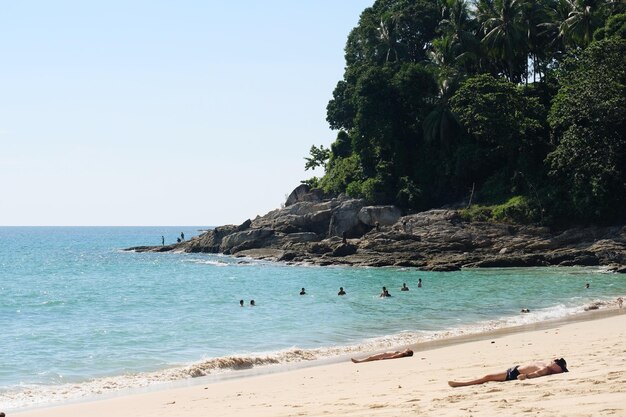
(206, 262)
(37, 395)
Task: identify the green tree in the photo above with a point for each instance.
(615, 27)
(503, 122)
(318, 157)
(504, 37)
(392, 30)
(588, 122)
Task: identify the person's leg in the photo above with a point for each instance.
(500, 377)
(373, 358)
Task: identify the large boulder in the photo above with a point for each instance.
(211, 240)
(383, 215)
(304, 193)
(251, 238)
(345, 219)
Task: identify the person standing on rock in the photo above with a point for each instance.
(182, 236)
(162, 240)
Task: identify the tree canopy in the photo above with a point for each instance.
(519, 103)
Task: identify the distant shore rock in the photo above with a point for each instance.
(310, 229)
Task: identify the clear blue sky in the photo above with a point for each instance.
(162, 112)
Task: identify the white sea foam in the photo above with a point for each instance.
(37, 395)
(207, 262)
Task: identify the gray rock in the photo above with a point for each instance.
(344, 249)
(247, 239)
(383, 215)
(304, 193)
(345, 219)
(311, 230)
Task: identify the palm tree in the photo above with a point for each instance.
(504, 35)
(535, 14)
(572, 22)
(458, 28)
(583, 19)
(388, 36)
(440, 125)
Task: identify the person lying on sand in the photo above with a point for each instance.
(533, 370)
(386, 355)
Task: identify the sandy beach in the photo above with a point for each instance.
(595, 386)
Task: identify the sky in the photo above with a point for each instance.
(139, 113)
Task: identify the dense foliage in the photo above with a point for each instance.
(518, 106)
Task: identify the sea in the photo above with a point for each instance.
(82, 318)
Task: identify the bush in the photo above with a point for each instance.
(477, 213)
(518, 209)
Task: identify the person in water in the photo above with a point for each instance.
(341, 291)
(385, 293)
(241, 303)
(533, 370)
(386, 355)
(302, 292)
(419, 283)
(252, 303)
(404, 287)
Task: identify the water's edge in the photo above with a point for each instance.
(425, 346)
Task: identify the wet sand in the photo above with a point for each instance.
(595, 350)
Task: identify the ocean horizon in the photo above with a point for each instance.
(82, 317)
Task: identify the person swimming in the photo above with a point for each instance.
(341, 291)
(302, 292)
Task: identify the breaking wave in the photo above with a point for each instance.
(38, 395)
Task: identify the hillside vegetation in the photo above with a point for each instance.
(518, 106)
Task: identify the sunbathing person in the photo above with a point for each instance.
(533, 370)
(386, 355)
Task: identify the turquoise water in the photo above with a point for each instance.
(79, 314)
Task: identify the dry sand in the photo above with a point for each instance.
(595, 386)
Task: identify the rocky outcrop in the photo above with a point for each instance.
(304, 193)
(346, 231)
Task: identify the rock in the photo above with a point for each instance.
(344, 249)
(304, 193)
(244, 226)
(345, 219)
(247, 239)
(383, 215)
(310, 229)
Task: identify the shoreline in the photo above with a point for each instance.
(281, 370)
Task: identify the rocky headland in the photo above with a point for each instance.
(316, 230)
